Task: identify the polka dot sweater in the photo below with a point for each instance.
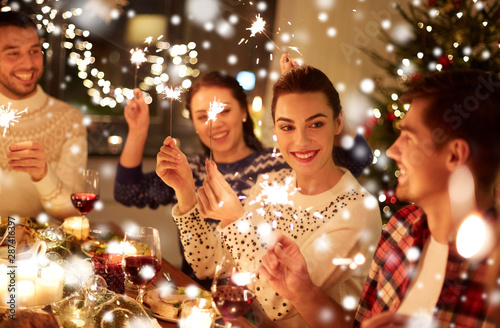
(338, 223)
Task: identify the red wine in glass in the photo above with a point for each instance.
(84, 202)
(141, 269)
(232, 301)
(141, 265)
(232, 288)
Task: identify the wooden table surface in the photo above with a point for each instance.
(179, 277)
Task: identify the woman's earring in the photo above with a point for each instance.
(244, 120)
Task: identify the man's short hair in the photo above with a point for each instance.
(464, 104)
(14, 18)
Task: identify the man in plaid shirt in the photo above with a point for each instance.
(448, 156)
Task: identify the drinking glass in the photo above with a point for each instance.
(86, 192)
(141, 257)
(232, 289)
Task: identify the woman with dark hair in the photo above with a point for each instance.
(327, 212)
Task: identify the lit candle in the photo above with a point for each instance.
(77, 226)
(27, 269)
(49, 287)
(128, 250)
(47, 291)
(193, 316)
(25, 293)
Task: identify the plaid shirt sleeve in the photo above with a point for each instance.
(388, 277)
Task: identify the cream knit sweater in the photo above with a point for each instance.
(58, 126)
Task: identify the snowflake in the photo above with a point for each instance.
(8, 116)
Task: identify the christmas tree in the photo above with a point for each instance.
(445, 35)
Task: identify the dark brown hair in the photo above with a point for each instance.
(219, 79)
(304, 79)
(14, 18)
(464, 104)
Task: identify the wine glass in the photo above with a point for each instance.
(232, 289)
(84, 196)
(141, 257)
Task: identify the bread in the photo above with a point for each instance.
(165, 310)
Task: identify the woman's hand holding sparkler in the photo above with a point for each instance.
(173, 168)
(285, 268)
(216, 199)
(137, 116)
(287, 63)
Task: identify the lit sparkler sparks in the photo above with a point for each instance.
(258, 26)
(295, 49)
(275, 193)
(137, 58)
(215, 108)
(172, 94)
(9, 116)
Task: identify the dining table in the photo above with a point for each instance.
(178, 277)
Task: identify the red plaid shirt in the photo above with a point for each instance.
(463, 299)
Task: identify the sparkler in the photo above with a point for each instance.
(137, 58)
(9, 116)
(259, 27)
(216, 107)
(172, 94)
(275, 193)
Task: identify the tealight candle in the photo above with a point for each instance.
(195, 315)
(77, 226)
(25, 293)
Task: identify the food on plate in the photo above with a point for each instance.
(166, 303)
(25, 237)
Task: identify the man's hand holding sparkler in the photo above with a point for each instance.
(29, 157)
(216, 199)
(173, 168)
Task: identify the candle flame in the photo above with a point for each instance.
(9, 116)
(257, 26)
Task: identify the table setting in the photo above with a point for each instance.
(77, 274)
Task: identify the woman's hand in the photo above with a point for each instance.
(287, 63)
(137, 114)
(285, 269)
(216, 199)
(173, 168)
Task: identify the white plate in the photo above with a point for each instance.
(179, 296)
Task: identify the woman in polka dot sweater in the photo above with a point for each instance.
(322, 207)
